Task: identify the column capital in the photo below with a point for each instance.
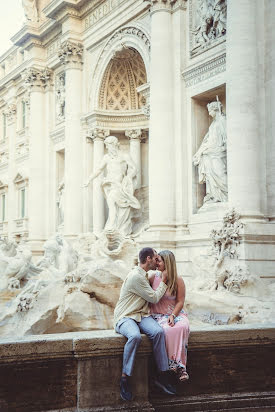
(37, 79)
(70, 54)
(97, 134)
(164, 5)
(10, 112)
(134, 134)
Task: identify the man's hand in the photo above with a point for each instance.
(164, 276)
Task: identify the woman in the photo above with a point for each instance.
(169, 313)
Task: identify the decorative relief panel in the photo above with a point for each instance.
(207, 22)
(60, 97)
(58, 135)
(22, 150)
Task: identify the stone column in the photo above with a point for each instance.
(11, 198)
(244, 134)
(98, 136)
(70, 55)
(161, 139)
(37, 80)
(270, 105)
(135, 138)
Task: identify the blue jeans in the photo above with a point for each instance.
(131, 330)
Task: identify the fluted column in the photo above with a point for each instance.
(244, 132)
(11, 198)
(70, 55)
(135, 139)
(98, 136)
(37, 80)
(161, 139)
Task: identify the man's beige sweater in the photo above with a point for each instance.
(135, 295)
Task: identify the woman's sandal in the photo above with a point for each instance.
(183, 375)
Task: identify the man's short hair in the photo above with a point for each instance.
(146, 251)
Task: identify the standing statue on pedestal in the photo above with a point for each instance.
(211, 157)
(118, 187)
(30, 10)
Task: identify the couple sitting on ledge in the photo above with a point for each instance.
(153, 305)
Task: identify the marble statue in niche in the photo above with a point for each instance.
(60, 97)
(118, 186)
(211, 23)
(60, 203)
(30, 10)
(211, 157)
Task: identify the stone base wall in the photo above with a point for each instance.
(231, 368)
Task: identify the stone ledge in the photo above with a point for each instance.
(109, 343)
(231, 368)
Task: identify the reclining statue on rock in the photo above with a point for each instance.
(15, 269)
(59, 256)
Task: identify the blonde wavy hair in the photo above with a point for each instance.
(169, 260)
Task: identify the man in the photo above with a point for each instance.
(132, 316)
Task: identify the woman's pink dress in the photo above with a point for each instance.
(176, 336)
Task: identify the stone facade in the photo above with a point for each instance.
(143, 71)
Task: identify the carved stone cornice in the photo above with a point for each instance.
(166, 5)
(134, 134)
(37, 79)
(204, 71)
(70, 53)
(10, 113)
(96, 134)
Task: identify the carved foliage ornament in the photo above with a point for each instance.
(133, 134)
(10, 112)
(37, 77)
(97, 133)
(70, 52)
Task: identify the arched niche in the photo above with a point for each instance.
(132, 38)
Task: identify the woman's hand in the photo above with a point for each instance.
(171, 320)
